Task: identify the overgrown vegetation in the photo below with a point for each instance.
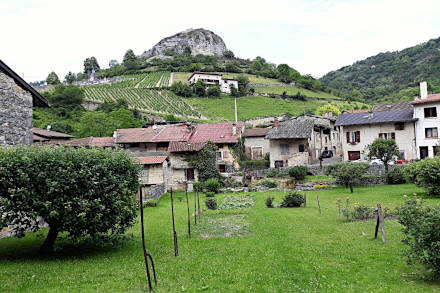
(348, 173)
(298, 172)
(206, 162)
(293, 199)
(426, 174)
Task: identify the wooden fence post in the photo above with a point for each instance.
(195, 207)
(176, 246)
(187, 207)
(198, 203)
(319, 205)
(305, 199)
(381, 221)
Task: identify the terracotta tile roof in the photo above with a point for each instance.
(430, 99)
(217, 133)
(182, 146)
(49, 133)
(91, 142)
(173, 133)
(150, 160)
(134, 135)
(256, 132)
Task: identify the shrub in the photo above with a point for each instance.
(268, 183)
(349, 173)
(395, 176)
(199, 186)
(272, 173)
(321, 186)
(292, 199)
(362, 212)
(212, 185)
(269, 202)
(84, 192)
(421, 224)
(210, 194)
(211, 203)
(425, 174)
(213, 91)
(298, 172)
(328, 170)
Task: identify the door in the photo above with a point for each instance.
(222, 168)
(353, 156)
(423, 152)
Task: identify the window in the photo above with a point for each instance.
(278, 164)
(436, 149)
(431, 132)
(399, 126)
(423, 152)
(401, 154)
(225, 154)
(430, 112)
(387, 135)
(257, 153)
(326, 139)
(301, 148)
(219, 156)
(353, 137)
(353, 156)
(222, 168)
(189, 174)
(284, 149)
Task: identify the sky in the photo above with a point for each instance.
(312, 36)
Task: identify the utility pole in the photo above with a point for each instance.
(235, 103)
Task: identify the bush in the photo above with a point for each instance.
(213, 91)
(199, 186)
(361, 212)
(298, 172)
(211, 203)
(395, 176)
(329, 169)
(272, 173)
(425, 174)
(84, 192)
(269, 202)
(212, 185)
(292, 199)
(210, 194)
(268, 183)
(349, 173)
(421, 224)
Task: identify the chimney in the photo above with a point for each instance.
(423, 90)
(48, 127)
(234, 129)
(275, 122)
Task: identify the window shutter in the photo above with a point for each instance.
(358, 136)
(393, 135)
(348, 137)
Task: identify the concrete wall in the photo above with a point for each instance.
(15, 113)
(250, 142)
(405, 139)
(293, 156)
(423, 123)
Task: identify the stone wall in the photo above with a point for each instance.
(15, 113)
(156, 191)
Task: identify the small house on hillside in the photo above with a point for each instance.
(154, 176)
(255, 143)
(212, 78)
(17, 98)
(49, 136)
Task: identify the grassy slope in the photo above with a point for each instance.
(288, 250)
(292, 90)
(250, 107)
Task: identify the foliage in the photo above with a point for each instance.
(52, 78)
(213, 91)
(199, 88)
(383, 149)
(272, 173)
(321, 186)
(212, 185)
(206, 162)
(362, 212)
(268, 183)
(426, 174)
(171, 118)
(129, 56)
(210, 194)
(239, 151)
(199, 186)
(211, 203)
(292, 199)
(328, 108)
(395, 176)
(421, 224)
(84, 192)
(243, 82)
(66, 97)
(349, 173)
(237, 202)
(298, 172)
(228, 54)
(181, 89)
(70, 77)
(269, 201)
(91, 64)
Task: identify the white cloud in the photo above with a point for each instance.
(312, 36)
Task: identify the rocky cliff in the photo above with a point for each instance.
(200, 41)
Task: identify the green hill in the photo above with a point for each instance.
(390, 76)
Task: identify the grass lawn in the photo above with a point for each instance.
(254, 78)
(270, 250)
(181, 76)
(292, 90)
(250, 107)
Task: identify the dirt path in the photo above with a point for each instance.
(171, 79)
(137, 85)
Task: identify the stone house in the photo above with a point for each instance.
(154, 175)
(17, 98)
(212, 78)
(257, 146)
(426, 109)
(391, 121)
(49, 136)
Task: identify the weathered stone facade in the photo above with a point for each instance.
(15, 113)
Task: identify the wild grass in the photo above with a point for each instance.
(278, 250)
(293, 90)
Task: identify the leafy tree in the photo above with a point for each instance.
(61, 127)
(206, 162)
(213, 91)
(87, 193)
(52, 78)
(232, 66)
(95, 123)
(113, 63)
(200, 88)
(66, 97)
(187, 51)
(349, 173)
(129, 56)
(91, 64)
(328, 108)
(228, 54)
(383, 149)
(243, 82)
(181, 89)
(70, 77)
(171, 118)
(284, 73)
(234, 92)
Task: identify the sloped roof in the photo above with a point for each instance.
(256, 132)
(37, 99)
(173, 133)
(292, 129)
(150, 160)
(217, 133)
(135, 135)
(430, 99)
(92, 142)
(50, 133)
(182, 146)
(207, 73)
(375, 117)
(392, 106)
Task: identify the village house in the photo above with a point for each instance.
(153, 177)
(390, 121)
(48, 136)
(89, 142)
(17, 98)
(212, 78)
(256, 145)
(428, 121)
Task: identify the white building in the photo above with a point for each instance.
(426, 110)
(212, 78)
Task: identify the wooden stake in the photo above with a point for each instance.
(187, 207)
(176, 246)
(381, 221)
(319, 205)
(198, 203)
(305, 199)
(195, 208)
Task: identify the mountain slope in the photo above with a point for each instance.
(390, 76)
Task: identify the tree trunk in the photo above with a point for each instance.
(386, 167)
(351, 187)
(47, 246)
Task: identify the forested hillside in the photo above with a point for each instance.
(390, 76)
